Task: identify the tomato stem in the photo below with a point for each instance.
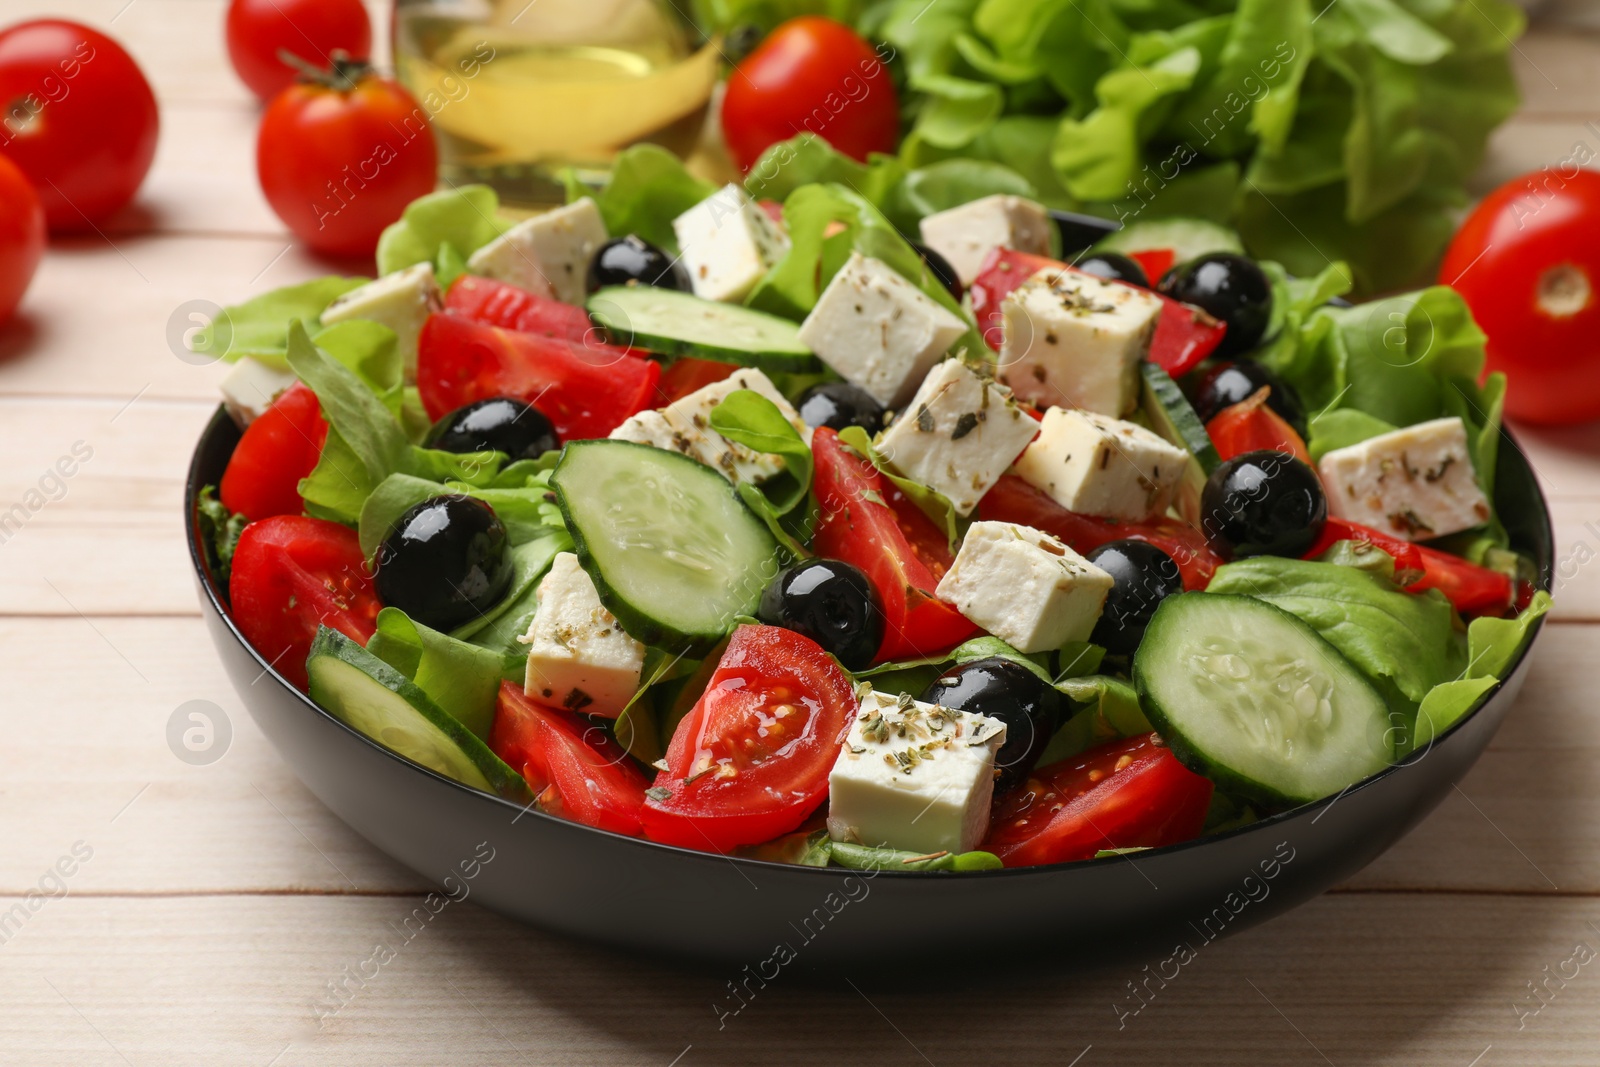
(342, 74)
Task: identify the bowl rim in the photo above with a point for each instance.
(202, 572)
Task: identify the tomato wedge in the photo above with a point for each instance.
(293, 573)
(684, 376)
(751, 759)
(1014, 500)
(1474, 590)
(898, 548)
(1250, 425)
(1126, 794)
(1184, 335)
(278, 449)
(1155, 262)
(578, 771)
(585, 392)
(492, 303)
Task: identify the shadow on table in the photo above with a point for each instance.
(19, 336)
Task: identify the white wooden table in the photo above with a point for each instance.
(209, 907)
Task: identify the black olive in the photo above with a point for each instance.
(1227, 384)
(1144, 577)
(632, 260)
(837, 405)
(830, 602)
(1008, 691)
(1114, 267)
(1262, 503)
(445, 562)
(940, 268)
(1231, 288)
(498, 423)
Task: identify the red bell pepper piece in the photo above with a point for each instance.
(1014, 500)
(1156, 262)
(1474, 590)
(1250, 426)
(1184, 336)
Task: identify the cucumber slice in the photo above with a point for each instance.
(674, 553)
(678, 324)
(364, 692)
(1254, 699)
(1188, 238)
(1173, 418)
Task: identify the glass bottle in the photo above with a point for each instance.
(519, 90)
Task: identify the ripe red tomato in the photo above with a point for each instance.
(79, 119)
(689, 375)
(1250, 425)
(577, 770)
(584, 391)
(1014, 500)
(340, 161)
(1527, 262)
(510, 308)
(277, 450)
(813, 74)
(1125, 794)
(861, 526)
(22, 234)
(310, 29)
(751, 760)
(291, 574)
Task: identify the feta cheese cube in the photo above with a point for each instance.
(1024, 586)
(581, 659)
(548, 254)
(966, 235)
(1096, 465)
(401, 301)
(878, 330)
(914, 776)
(958, 435)
(1416, 483)
(250, 387)
(1075, 341)
(728, 244)
(684, 426)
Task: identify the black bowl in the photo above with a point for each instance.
(691, 905)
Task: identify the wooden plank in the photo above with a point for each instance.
(88, 706)
(1424, 981)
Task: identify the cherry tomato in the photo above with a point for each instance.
(584, 391)
(79, 119)
(310, 29)
(577, 770)
(1127, 794)
(1014, 500)
(751, 760)
(813, 74)
(861, 526)
(510, 308)
(1527, 262)
(293, 573)
(340, 161)
(1184, 335)
(22, 236)
(278, 449)
(1250, 426)
(687, 375)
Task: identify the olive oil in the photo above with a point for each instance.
(518, 90)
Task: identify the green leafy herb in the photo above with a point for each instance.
(746, 417)
(219, 533)
(647, 189)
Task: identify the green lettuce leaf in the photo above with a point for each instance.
(647, 189)
(932, 503)
(463, 679)
(219, 533)
(746, 417)
(1493, 646)
(259, 327)
(867, 858)
(465, 218)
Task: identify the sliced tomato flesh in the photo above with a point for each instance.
(750, 761)
(867, 523)
(1251, 426)
(1184, 335)
(278, 449)
(1014, 500)
(575, 767)
(495, 303)
(688, 375)
(293, 573)
(1474, 590)
(585, 392)
(1155, 262)
(1131, 793)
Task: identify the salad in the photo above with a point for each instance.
(771, 529)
